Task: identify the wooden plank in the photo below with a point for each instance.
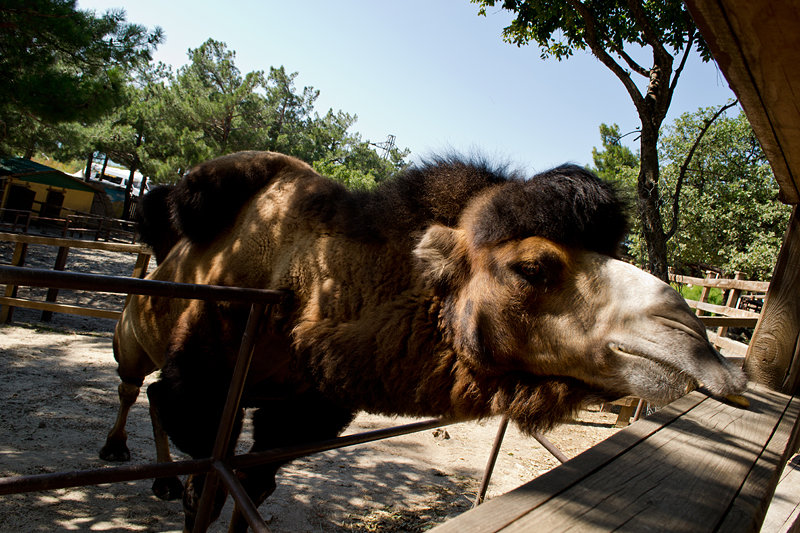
(730, 346)
(75, 243)
(749, 509)
(784, 510)
(722, 283)
(60, 308)
(52, 294)
(722, 309)
(728, 321)
(500, 512)
(690, 472)
(733, 298)
(774, 354)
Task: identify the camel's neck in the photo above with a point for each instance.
(393, 359)
(400, 360)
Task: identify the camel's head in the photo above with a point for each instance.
(530, 285)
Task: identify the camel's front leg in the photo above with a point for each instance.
(116, 447)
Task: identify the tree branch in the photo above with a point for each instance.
(679, 70)
(650, 35)
(600, 52)
(685, 166)
(636, 67)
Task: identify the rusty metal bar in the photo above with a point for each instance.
(550, 447)
(38, 277)
(487, 474)
(226, 423)
(242, 499)
(78, 478)
(288, 453)
(63, 480)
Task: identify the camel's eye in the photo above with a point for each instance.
(543, 271)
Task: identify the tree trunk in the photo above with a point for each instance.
(648, 203)
(88, 173)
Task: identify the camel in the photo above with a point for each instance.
(454, 289)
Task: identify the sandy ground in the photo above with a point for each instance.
(58, 399)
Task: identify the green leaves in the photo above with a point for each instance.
(61, 65)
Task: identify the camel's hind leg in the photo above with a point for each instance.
(305, 418)
(133, 365)
(166, 488)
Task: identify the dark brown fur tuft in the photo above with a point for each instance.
(572, 207)
(155, 223)
(208, 199)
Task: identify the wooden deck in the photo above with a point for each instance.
(696, 465)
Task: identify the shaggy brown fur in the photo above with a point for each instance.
(453, 290)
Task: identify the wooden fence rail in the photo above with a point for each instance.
(9, 300)
(741, 293)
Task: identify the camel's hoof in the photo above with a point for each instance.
(168, 488)
(114, 451)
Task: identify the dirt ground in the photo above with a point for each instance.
(58, 399)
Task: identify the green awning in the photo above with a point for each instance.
(27, 170)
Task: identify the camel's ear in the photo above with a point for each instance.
(442, 255)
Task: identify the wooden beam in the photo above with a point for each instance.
(722, 309)
(722, 283)
(728, 321)
(60, 308)
(773, 357)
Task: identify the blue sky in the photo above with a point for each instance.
(431, 72)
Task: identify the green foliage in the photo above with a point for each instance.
(730, 216)
(559, 29)
(210, 108)
(693, 292)
(173, 121)
(614, 158)
(61, 64)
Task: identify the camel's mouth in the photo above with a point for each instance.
(677, 380)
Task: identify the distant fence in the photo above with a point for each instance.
(742, 308)
(72, 225)
(9, 300)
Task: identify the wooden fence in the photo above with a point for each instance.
(742, 308)
(70, 225)
(9, 300)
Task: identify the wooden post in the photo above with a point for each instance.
(18, 259)
(52, 294)
(733, 297)
(773, 357)
(705, 291)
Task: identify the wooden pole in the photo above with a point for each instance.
(733, 298)
(773, 357)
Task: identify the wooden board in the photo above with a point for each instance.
(722, 283)
(722, 309)
(784, 511)
(60, 308)
(728, 321)
(694, 466)
(75, 243)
